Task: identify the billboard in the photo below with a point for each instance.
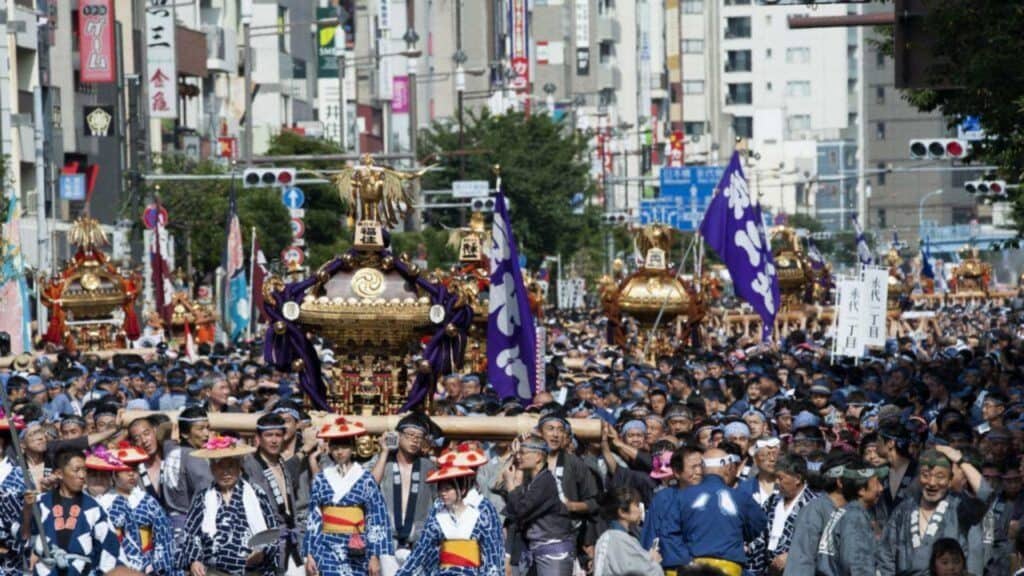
(96, 52)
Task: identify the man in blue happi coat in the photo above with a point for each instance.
(717, 521)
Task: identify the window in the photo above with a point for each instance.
(798, 89)
(737, 2)
(879, 95)
(798, 123)
(693, 128)
(693, 6)
(283, 26)
(768, 19)
(852, 119)
(693, 46)
(768, 86)
(798, 55)
(882, 221)
(880, 131)
(737, 27)
(738, 61)
(740, 94)
(693, 87)
(881, 174)
(879, 59)
(743, 126)
(768, 54)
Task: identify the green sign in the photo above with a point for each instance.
(327, 61)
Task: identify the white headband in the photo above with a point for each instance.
(721, 462)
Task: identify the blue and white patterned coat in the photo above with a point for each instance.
(760, 557)
(330, 551)
(228, 548)
(479, 522)
(144, 510)
(93, 537)
(12, 491)
(116, 507)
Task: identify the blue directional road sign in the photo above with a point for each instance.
(72, 187)
(293, 197)
(685, 195)
(970, 129)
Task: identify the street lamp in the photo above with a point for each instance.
(549, 100)
(920, 209)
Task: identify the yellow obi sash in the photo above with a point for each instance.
(343, 519)
(146, 538)
(728, 568)
(460, 554)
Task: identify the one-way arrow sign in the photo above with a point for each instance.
(293, 197)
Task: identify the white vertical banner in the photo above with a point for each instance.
(384, 71)
(849, 336)
(161, 66)
(873, 315)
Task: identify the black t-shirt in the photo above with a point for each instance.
(67, 513)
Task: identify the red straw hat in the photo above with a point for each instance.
(129, 454)
(449, 472)
(100, 459)
(463, 456)
(340, 429)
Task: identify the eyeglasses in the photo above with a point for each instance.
(413, 436)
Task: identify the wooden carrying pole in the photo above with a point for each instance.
(146, 353)
(454, 427)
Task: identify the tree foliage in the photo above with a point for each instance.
(198, 212)
(978, 49)
(542, 165)
(325, 213)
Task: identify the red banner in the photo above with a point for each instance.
(96, 41)
(520, 52)
(675, 149)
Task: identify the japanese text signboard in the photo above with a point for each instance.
(96, 41)
(873, 320)
(520, 51)
(161, 68)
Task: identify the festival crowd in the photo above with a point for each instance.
(732, 457)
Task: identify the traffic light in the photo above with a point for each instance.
(615, 218)
(482, 204)
(258, 177)
(938, 149)
(986, 187)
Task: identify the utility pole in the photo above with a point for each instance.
(42, 112)
(460, 84)
(339, 51)
(411, 38)
(246, 43)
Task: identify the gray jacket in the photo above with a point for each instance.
(848, 543)
(803, 548)
(904, 552)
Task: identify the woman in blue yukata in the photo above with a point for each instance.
(148, 524)
(348, 528)
(12, 494)
(100, 465)
(224, 518)
(462, 535)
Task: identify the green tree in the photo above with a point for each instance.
(542, 167)
(325, 213)
(198, 211)
(982, 62)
